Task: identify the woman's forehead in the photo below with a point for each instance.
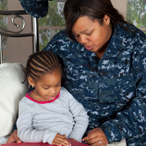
(83, 24)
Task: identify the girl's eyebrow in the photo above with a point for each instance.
(50, 85)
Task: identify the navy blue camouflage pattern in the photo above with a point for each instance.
(112, 89)
(35, 8)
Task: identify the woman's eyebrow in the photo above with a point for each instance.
(81, 31)
(84, 30)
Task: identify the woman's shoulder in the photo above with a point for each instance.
(130, 31)
(60, 42)
(60, 36)
(130, 39)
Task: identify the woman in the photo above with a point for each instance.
(104, 61)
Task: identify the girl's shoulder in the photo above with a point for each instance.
(27, 101)
(66, 96)
(63, 90)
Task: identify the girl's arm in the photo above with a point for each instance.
(80, 118)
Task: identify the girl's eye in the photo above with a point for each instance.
(58, 85)
(46, 88)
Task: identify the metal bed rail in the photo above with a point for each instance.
(9, 33)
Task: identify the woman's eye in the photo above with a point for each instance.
(89, 33)
(76, 36)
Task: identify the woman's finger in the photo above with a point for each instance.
(14, 138)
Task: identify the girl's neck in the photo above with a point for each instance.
(39, 95)
(34, 95)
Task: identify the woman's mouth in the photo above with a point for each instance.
(89, 47)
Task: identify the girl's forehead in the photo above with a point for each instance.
(50, 78)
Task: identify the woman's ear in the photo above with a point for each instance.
(106, 20)
(31, 82)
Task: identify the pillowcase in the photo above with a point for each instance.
(11, 92)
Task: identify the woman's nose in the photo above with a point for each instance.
(83, 39)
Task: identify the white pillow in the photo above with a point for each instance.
(11, 91)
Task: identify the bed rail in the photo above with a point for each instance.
(10, 33)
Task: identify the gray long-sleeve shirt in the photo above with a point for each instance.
(41, 122)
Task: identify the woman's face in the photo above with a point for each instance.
(92, 35)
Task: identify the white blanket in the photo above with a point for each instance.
(3, 139)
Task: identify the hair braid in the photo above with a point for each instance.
(41, 63)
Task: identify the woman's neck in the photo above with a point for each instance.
(101, 51)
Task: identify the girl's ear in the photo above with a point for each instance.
(31, 81)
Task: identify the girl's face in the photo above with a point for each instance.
(48, 85)
(92, 35)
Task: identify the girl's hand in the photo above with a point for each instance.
(96, 137)
(61, 140)
(14, 138)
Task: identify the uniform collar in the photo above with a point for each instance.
(117, 42)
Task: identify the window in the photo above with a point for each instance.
(52, 23)
(136, 13)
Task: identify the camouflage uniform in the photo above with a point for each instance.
(112, 89)
(35, 8)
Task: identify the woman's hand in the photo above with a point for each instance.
(14, 138)
(96, 137)
(61, 140)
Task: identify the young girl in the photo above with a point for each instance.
(49, 113)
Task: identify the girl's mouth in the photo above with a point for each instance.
(50, 97)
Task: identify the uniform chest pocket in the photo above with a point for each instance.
(126, 78)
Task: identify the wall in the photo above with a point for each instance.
(121, 5)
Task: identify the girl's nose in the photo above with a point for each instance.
(52, 90)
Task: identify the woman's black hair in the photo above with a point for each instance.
(94, 9)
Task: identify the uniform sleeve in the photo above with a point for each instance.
(132, 121)
(26, 131)
(59, 42)
(80, 118)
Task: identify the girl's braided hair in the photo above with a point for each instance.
(39, 63)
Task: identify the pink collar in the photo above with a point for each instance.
(41, 102)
